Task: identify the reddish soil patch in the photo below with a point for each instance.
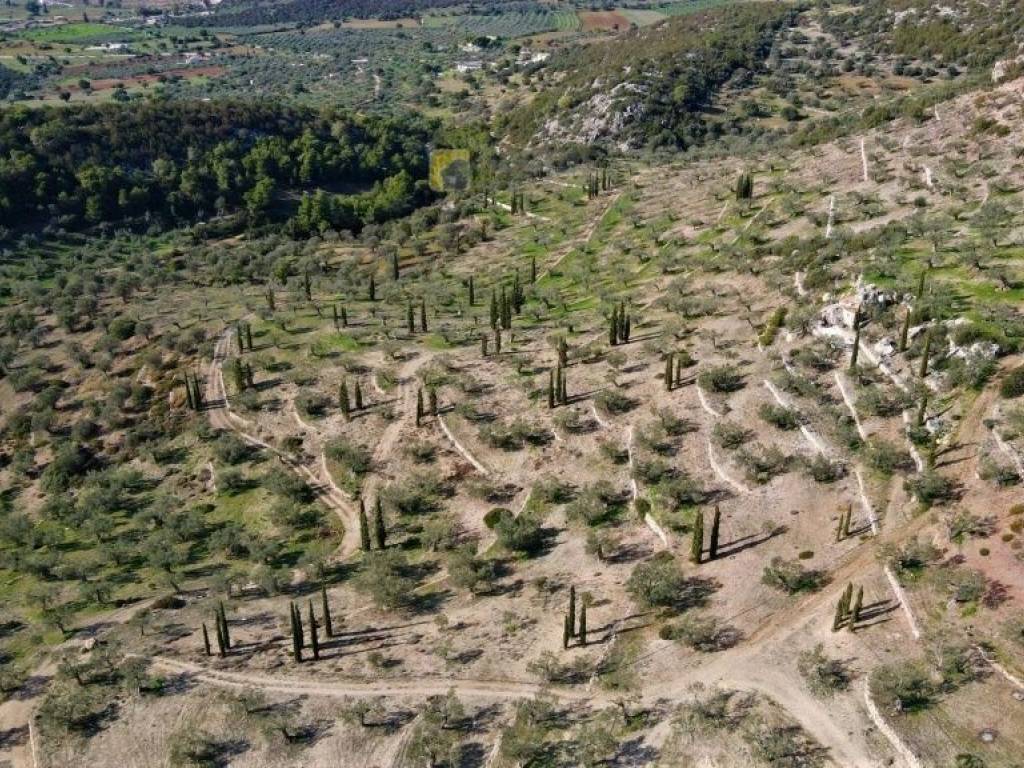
(107, 84)
(602, 20)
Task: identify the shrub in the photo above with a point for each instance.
(1012, 384)
(702, 633)
(659, 583)
(612, 402)
(387, 578)
(724, 378)
(520, 534)
(762, 464)
(730, 435)
(354, 458)
(904, 687)
(779, 416)
(823, 470)
(886, 457)
(824, 676)
(495, 516)
(313, 403)
(231, 449)
(931, 488)
(791, 577)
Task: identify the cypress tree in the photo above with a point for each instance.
(344, 317)
(472, 293)
(858, 601)
(533, 268)
(372, 290)
(307, 286)
(271, 304)
(583, 623)
(563, 389)
(432, 401)
(394, 265)
(494, 310)
(379, 532)
(841, 526)
(419, 406)
(364, 528)
(566, 634)
(497, 341)
(716, 522)
(296, 635)
(410, 319)
(334, 315)
(314, 640)
(423, 316)
(248, 336)
(846, 522)
(837, 619)
(668, 370)
(924, 354)
(626, 327)
(188, 394)
(563, 352)
(921, 283)
(697, 541)
(905, 331)
(613, 327)
(856, 340)
(922, 409)
(551, 389)
(572, 611)
(206, 640)
(343, 399)
(483, 345)
(298, 626)
(224, 625)
(359, 396)
(326, 608)
(221, 646)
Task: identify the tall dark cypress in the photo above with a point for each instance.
(394, 265)
(697, 541)
(572, 611)
(668, 370)
(343, 402)
(224, 624)
(206, 640)
(314, 639)
(325, 607)
(905, 331)
(419, 406)
(364, 528)
(423, 316)
(379, 531)
(472, 293)
(372, 289)
(359, 396)
(334, 315)
(296, 634)
(551, 389)
(533, 268)
(613, 327)
(494, 309)
(221, 645)
(410, 318)
(716, 523)
(583, 623)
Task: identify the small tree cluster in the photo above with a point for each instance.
(619, 325)
(848, 608)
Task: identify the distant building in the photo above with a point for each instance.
(468, 66)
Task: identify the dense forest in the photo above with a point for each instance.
(9, 80)
(170, 163)
(663, 78)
